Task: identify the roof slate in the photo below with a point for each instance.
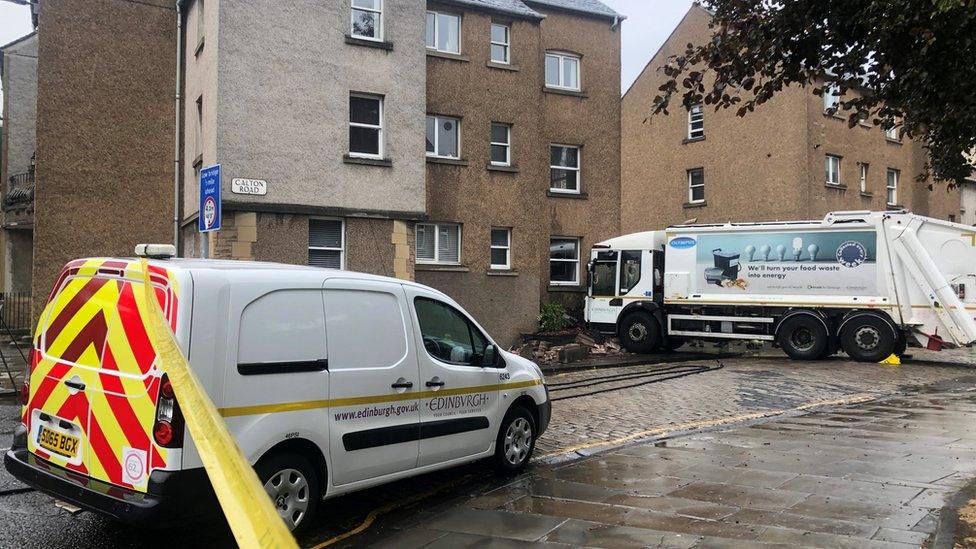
(593, 7)
(512, 7)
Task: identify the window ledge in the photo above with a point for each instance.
(382, 162)
(576, 196)
(838, 186)
(559, 91)
(692, 140)
(512, 168)
(894, 207)
(501, 272)
(568, 288)
(893, 141)
(501, 66)
(867, 194)
(449, 161)
(435, 267)
(198, 161)
(377, 44)
(701, 204)
(445, 55)
(196, 52)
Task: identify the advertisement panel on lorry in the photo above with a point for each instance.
(795, 263)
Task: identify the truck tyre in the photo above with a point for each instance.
(868, 338)
(640, 333)
(515, 442)
(901, 345)
(803, 337)
(293, 485)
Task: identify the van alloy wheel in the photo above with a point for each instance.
(288, 489)
(518, 441)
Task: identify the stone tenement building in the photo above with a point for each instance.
(790, 159)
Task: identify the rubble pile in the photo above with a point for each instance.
(566, 346)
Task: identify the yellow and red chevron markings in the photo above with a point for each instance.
(93, 328)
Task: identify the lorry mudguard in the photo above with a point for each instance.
(650, 307)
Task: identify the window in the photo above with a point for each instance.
(326, 243)
(893, 176)
(500, 144)
(562, 71)
(199, 128)
(449, 335)
(893, 133)
(864, 177)
(443, 32)
(500, 42)
(696, 122)
(603, 281)
(367, 19)
(201, 23)
(831, 98)
(564, 261)
(501, 247)
(952, 218)
(832, 168)
(438, 243)
(564, 169)
(349, 313)
(630, 270)
(442, 136)
(365, 126)
(696, 185)
(290, 317)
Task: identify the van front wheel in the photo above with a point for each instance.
(291, 482)
(516, 441)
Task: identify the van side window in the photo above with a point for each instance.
(448, 335)
(366, 329)
(282, 332)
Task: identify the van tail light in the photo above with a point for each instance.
(25, 386)
(168, 429)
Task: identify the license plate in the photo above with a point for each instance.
(59, 443)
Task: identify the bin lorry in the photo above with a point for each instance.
(868, 283)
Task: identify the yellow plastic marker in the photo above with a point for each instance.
(246, 505)
(892, 360)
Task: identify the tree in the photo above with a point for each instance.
(912, 61)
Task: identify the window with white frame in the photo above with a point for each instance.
(365, 125)
(696, 185)
(892, 186)
(326, 243)
(864, 177)
(367, 19)
(501, 149)
(564, 169)
(443, 32)
(564, 254)
(443, 135)
(696, 122)
(438, 243)
(500, 43)
(562, 71)
(893, 133)
(501, 248)
(831, 97)
(832, 169)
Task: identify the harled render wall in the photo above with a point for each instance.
(105, 119)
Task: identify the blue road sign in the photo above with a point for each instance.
(210, 199)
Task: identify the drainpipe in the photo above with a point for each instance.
(178, 100)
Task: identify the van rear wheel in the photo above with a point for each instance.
(515, 442)
(640, 333)
(293, 485)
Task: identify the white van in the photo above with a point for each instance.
(331, 381)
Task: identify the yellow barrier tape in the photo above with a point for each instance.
(247, 507)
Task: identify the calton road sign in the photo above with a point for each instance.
(210, 199)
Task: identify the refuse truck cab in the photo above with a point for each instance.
(330, 381)
(869, 283)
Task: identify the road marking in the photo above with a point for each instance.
(704, 424)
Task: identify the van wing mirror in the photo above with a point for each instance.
(492, 358)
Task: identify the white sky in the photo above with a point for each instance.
(648, 24)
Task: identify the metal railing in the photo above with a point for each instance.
(21, 190)
(15, 310)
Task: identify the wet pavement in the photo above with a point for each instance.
(796, 466)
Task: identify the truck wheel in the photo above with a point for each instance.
(868, 338)
(640, 333)
(803, 337)
(901, 345)
(293, 485)
(515, 442)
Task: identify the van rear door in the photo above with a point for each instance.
(94, 382)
